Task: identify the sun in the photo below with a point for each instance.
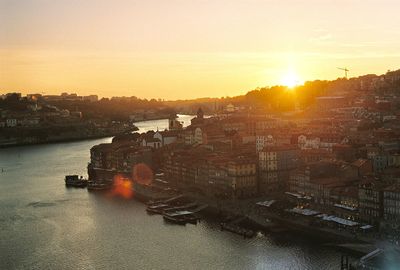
(291, 79)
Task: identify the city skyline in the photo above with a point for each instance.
(200, 134)
(184, 50)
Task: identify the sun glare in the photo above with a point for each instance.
(291, 79)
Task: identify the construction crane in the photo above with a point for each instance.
(345, 71)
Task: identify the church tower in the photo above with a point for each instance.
(174, 124)
(200, 113)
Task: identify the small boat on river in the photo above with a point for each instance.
(75, 181)
(180, 217)
(98, 186)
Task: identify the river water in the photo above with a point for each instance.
(44, 225)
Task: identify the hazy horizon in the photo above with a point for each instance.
(189, 49)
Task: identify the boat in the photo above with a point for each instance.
(168, 200)
(75, 181)
(98, 186)
(176, 220)
(180, 217)
(237, 229)
(180, 207)
(192, 219)
(157, 208)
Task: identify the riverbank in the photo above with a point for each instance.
(272, 222)
(58, 140)
(65, 140)
(259, 218)
(252, 221)
(36, 136)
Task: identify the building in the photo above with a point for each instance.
(243, 174)
(166, 137)
(109, 159)
(264, 141)
(152, 142)
(275, 164)
(214, 174)
(363, 167)
(370, 196)
(11, 122)
(199, 119)
(314, 155)
(324, 103)
(344, 202)
(391, 210)
(344, 152)
(318, 180)
(91, 98)
(174, 124)
(380, 162)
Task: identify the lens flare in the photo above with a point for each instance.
(122, 187)
(142, 174)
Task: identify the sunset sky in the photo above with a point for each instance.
(177, 49)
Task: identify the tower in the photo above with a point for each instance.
(173, 123)
(200, 113)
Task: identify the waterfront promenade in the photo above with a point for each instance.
(282, 221)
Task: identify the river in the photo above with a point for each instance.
(44, 225)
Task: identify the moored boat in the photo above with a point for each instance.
(176, 220)
(180, 217)
(75, 181)
(98, 186)
(157, 208)
(237, 229)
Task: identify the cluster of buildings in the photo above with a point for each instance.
(340, 156)
(37, 116)
(149, 114)
(63, 97)
(32, 119)
(30, 111)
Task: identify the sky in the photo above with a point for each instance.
(182, 49)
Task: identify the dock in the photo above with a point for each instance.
(176, 210)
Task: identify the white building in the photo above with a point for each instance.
(166, 137)
(152, 142)
(11, 122)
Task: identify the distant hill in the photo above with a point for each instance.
(282, 98)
